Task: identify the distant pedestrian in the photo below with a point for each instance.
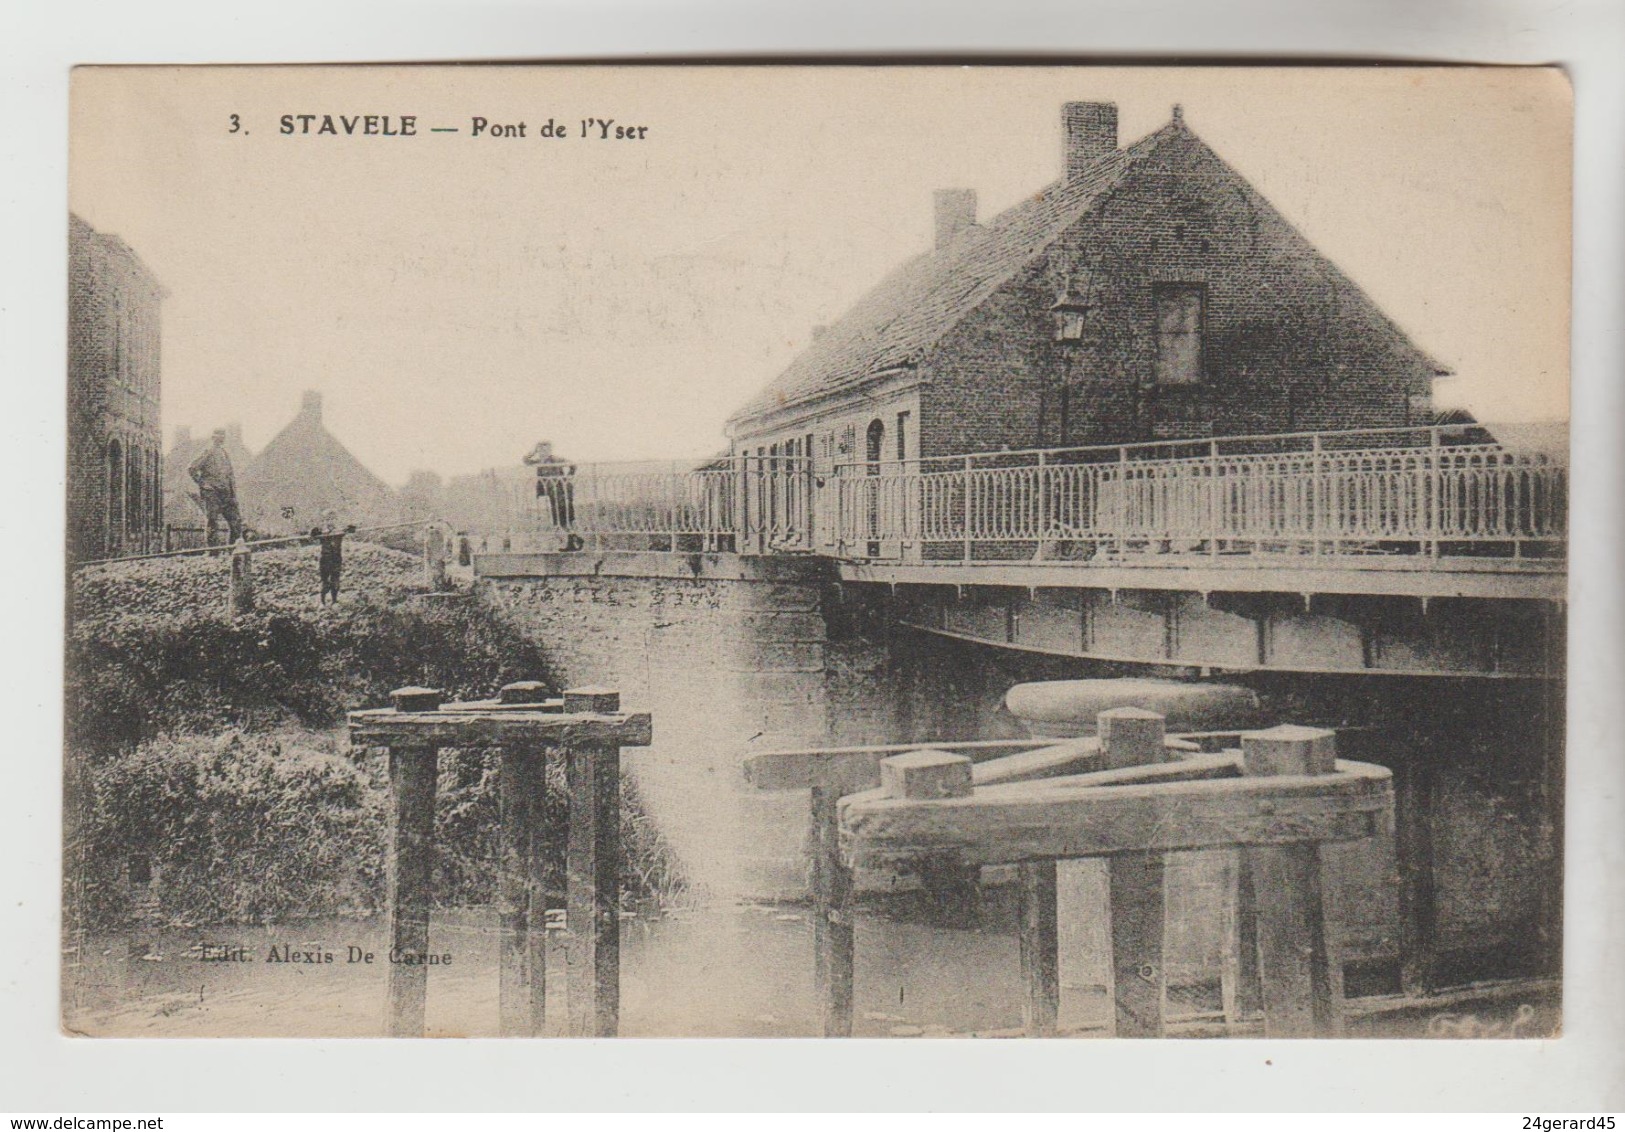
(555, 482)
(217, 489)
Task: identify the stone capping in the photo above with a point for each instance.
(654, 564)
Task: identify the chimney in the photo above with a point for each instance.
(234, 433)
(1090, 130)
(311, 406)
(183, 436)
(955, 211)
(819, 331)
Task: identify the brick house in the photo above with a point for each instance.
(115, 440)
(1150, 293)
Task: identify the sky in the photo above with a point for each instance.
(457, 298)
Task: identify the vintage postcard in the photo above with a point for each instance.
(768, 551)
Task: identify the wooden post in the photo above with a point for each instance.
(597, 701)
(535, 772)
(1243, 997)
(593, 857)
(1040, 953)
(1302, 982)
(832, 918)
(523, 692)
(513, 892)
(412, 770)
(1134, 737)
(242, 579)
(1413, 850)
(434, 558)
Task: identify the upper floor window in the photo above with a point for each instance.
(1179, 332)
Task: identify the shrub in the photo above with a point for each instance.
(158, 655)
(235, 827)
(246, 827)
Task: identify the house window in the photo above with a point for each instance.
(876, 439)
(902, 437)
(1069, 325)
(1179, 333)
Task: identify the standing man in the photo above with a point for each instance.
(217, 488)
(555, 483)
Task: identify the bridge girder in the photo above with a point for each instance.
(1245, 631)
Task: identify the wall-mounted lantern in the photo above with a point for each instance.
(1073, 313)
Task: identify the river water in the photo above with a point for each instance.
(740, 970)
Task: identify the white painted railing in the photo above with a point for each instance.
(748, 505)
(1422, 493)
(1427, 498)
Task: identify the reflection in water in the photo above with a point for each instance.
(735, 971)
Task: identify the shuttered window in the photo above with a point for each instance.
(1179, 333)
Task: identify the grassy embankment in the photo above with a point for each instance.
(211, 747)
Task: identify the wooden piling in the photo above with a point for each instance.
(513, 893)
(1137, 885)
(535, 771)
(593, 883)
(592, 731)
(1413, 851)
(1238, 978)
(832, 917)
(1302, 981)
(412, 769)
(1038, 935)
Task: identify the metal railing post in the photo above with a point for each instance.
(967, 516)
(1316, 503)
(1043, 504)
(1436, 523)
(1122, 501)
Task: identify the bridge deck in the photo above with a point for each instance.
(1421, 512)
(1444, 577)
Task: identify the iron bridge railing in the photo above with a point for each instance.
(1395, 492)
(745, 505)
(1417, 492)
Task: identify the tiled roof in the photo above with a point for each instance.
(901, 318)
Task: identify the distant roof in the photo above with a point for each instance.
(1541, 438)
(901, 318)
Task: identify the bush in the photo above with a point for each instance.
(235, 827)
(157, 655)
(245, 827)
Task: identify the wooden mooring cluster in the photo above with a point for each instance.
(586, 728)
(1141, 794)
(1129, 795)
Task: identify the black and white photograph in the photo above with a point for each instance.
(788, 551)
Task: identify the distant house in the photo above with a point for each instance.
(305, 472)
(423, 496)
(1150, 293)
(115, 389)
